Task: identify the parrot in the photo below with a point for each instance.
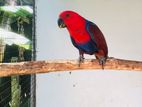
(85, 36)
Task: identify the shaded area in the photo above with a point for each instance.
(16, 90)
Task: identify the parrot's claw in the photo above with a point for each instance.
(102, 61)
(81, 60)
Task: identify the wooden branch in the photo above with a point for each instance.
(24, 68)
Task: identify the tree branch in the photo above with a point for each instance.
(24, 68)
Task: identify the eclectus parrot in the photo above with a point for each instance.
(85, 36)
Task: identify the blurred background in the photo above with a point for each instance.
(16, 34)
(121, 23)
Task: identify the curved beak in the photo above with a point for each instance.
(61, 23)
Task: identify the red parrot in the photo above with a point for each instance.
(85, 36)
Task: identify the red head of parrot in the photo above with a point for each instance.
(75, 25)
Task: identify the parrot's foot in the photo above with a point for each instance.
(102, 61)
(81, 60)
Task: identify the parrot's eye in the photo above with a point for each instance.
(67, 15)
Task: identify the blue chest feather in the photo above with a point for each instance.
(88, 48)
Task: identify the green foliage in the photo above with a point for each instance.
(16, 90)
(23, 16)
(20, 18)
(5, 15)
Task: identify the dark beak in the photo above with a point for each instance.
(61, 23)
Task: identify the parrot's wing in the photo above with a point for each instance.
(90, 27)
(97, 36)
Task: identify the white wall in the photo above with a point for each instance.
(121, 23)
